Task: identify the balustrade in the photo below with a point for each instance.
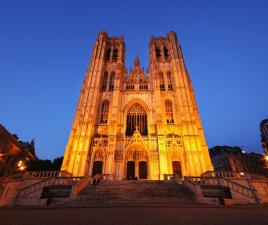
(41, 174)
(241, 175)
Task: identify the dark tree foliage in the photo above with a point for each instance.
(57, 163)
(44, 164)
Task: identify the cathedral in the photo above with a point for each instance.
(141, 124)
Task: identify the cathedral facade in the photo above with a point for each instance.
(142, 124)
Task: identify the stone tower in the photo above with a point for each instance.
(137, 124)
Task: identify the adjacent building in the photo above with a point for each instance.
(138, 123)
(12, 151)
(234, 159)
(264, 134)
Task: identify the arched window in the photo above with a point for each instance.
(143, 85)
(104, 112)
(162, 82)
(170, 86)
(169, 112)
(107, 54)
(130, 86)
(115, 54)
(111, 87)
(166, 53)
(157, 52)
(104, 81)
(136, 119)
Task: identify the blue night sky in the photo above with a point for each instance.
(45, 47)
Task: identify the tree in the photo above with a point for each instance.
(44, 164)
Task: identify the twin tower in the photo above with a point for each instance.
(142, 124)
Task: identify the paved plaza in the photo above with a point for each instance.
(245, 215)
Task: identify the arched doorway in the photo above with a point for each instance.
(130, 170)
(136, 162)
(136, 119)
(142, 170)
(98, 162)
(176, 166)
(97, 168)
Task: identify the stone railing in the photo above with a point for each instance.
(246, 191)
(40, 174)
(45, 178)
(241, 175)
(193, 180)
(193, 183)
(38, 186)
(64, 173)
(85, 182)
(212, 180)
(81, 185)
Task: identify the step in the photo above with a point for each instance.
(112, 193)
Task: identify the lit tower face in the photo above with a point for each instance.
(176, 108)
(143, 124)
(98, 95)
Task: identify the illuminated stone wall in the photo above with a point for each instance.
(164, 102)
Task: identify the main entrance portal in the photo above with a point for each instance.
(97, 168)
(176, 166)
(136, 160)
(142, 170)
(130, 170)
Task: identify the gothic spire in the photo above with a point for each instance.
(137, 62)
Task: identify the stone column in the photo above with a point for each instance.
(136, 169)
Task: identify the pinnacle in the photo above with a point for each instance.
(137, 62)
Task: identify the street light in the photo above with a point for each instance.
(21, 166)
(265, 157)
(1, 156)
(242, 174)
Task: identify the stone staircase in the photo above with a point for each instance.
(30, 194)
(132, 193)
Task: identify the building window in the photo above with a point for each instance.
(166, 53)
(136, 120)
(169, 112)
(162, 82)
(111, 87)
(104, 112)
(107, 54)
(143, 86)
(170, 86)
(115, 54)
(104, 81)
(157, 53)
(130, 86)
